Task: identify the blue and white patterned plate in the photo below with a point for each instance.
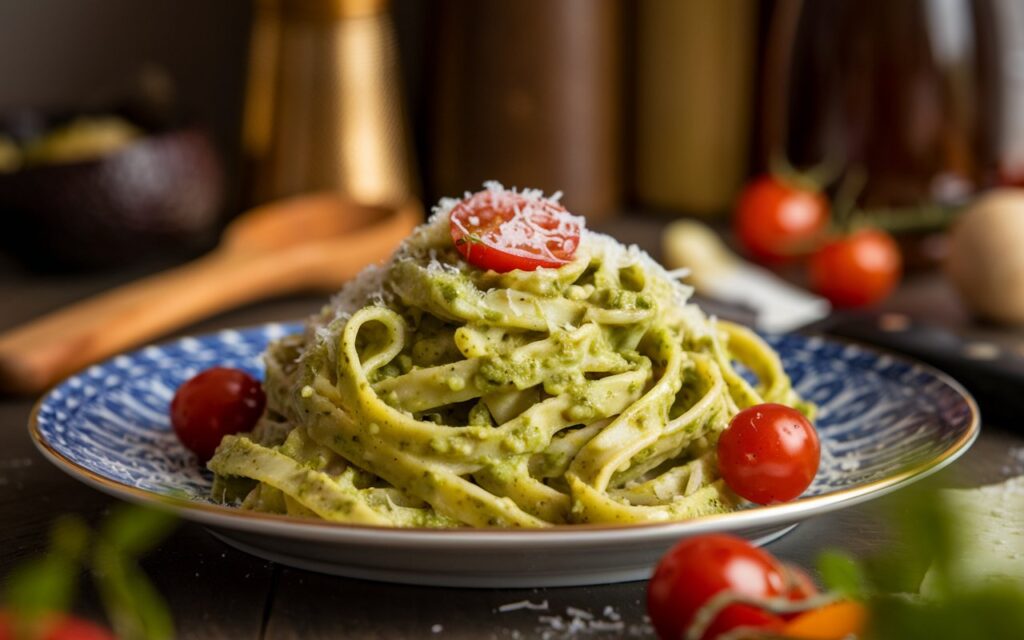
(883, 422)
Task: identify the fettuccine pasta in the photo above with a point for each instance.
(432, 393)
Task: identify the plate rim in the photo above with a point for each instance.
(570, 534)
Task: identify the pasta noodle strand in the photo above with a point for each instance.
(434, 394)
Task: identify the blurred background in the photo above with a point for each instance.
(847, 146)
(654, 105)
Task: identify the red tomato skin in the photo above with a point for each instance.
(480, 255)
(213, 404)
(858, 270)
(769, 453)
(476, 223)
(776, 222)
(57, 626)
(801, 587)
(698, 568)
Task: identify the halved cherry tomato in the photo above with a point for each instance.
(503, 230)
(769, 453)
(57, 626)
(831, 622)
(860, 269)
(696, 569)
(776, 220)
(213, 404)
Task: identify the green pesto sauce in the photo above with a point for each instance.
(457, 312)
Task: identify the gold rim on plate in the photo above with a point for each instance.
(210, 514)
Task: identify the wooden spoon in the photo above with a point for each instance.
(314, 242)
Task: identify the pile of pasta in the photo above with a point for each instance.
(431, 393)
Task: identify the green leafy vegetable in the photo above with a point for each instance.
(48, 584)
(70, 537)
(929, 539)
(843, 575)
(135, 608)
(992, 612)
(41, 585)
(134, 531)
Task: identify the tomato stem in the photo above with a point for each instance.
(814, 178)
(850, 188)
(706, 615)
(921, 218)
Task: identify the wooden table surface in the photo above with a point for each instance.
(215, 591)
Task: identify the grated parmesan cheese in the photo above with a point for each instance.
(523, 604)
(580, 622)
(579, 613)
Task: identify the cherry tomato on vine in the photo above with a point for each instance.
(860, 269)
(801, 585)
(504, 230)
(697, 569)
(776, 220)
(56, 626)
(769, 453)
(213, 404)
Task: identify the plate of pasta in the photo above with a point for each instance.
(511, 400)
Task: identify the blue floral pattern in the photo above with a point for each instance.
(878, 415)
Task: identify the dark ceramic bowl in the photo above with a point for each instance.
(159, 194)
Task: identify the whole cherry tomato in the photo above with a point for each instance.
(697, 569)
(776, 220)
(769, 453)
(213, 404)
(801, 585)
(503, 230)
(860, 269)
(56, 626)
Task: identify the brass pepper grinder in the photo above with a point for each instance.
(323, 103)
